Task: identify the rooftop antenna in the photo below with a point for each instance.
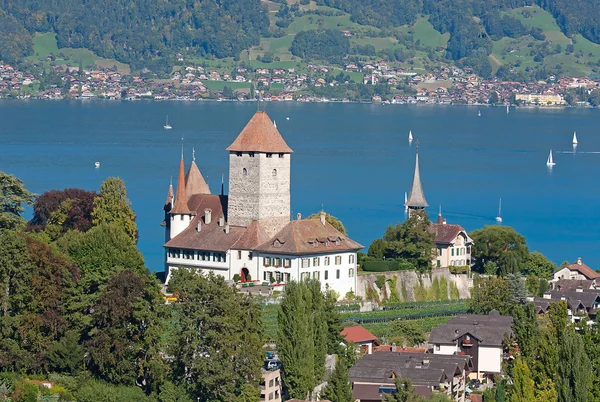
(440, 212)
(182, 147)
(193, 154)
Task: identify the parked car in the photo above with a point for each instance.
(273, 364)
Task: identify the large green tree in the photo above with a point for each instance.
(123, 341)
(338, 387)
(216, 337)
(538, 265)
(113, 206)
(497, 243)
(522, 389)
(574, 369)
(490, 294)
(13, 196)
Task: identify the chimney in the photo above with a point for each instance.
(299, 216)
(207, 216)
(426, 362)
(393, 349)
(199, 227)
(323, 218)
(578, 260)
(579, 290)
(221, 220)
(444, 221)
(227, 228)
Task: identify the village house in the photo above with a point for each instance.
(479, 336)
(270, 386)
(576, 271)
(361, 337)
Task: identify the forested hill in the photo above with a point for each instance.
(152, 33)
(137, 31)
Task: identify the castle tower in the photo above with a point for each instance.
(259, 176)
(180, 214)
(416, 198)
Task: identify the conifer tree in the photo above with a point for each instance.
(113, 206)
(295, 340)
(316, 301)
(522, 389)
(574, 369)
(12, 197)
(338, 388)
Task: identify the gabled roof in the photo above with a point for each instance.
(254, 236)
(357, 334)
(583, 269)
(308, 236)
(446, 233)
(194, 182)
(260, 135)
(488, 329)
(416, 198)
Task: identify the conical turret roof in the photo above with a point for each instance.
(181, 206)
(416, 198)
(260, 135)
(170, 197)
(194, 182)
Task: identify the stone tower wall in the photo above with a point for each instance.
(263, 193)
(243, 194)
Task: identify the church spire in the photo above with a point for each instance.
(180, 206)
(416, 198)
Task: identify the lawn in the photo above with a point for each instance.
(312, 21)
(539, 18)
(424, 32)
(45, 44)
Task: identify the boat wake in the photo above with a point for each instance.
(578, 152)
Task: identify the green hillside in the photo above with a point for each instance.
(515, 39)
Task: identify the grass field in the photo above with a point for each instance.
(424, 32)
(45, 44)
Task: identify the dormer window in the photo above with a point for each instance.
(277, 243)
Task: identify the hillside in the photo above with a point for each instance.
(517, 40)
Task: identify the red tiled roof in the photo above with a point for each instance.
(584, 270)
(254, 236)
(194, 182)
(445, 233)
(180, 206)
(357, 334)
(260, 135)
(308, 236)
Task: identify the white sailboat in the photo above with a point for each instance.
(167, 126)
(550, 161)
(575, 138)
(499, 217)
(507, 109)
(405, 200)
(96, 165)
(410, 137)
(479, 113)
(274, 124)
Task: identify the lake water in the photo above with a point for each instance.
(352, 159)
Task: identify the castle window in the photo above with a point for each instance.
(306, 263)
(267, 261)
(287, 277)
(287, 262)
(316, 262)
(304, 276)
(281, 155)
(327, 260)
(244, 172)
(251, 154)
(238, 153)
(269, 155)
(351, 273)
(316, 275)
(274, 172)
(338, 259)
(337, 274)
(326, 275)
(351, 259)
(239, 254)
(439, 263)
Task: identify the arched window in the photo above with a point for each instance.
(274, 172)
(245, 172)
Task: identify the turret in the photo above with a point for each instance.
(416, 198)
(180, 213)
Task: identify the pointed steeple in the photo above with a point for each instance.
(170, 197)
(181, 206)
(416, 197)
(440, 220)
(194, 181)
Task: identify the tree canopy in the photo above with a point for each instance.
(501, 245)
(13, 196)
(112, 206)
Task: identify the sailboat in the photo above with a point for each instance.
(507, 109)
(96, 165)
(274, 124)
(550, 161)
(167, 126)
(499, 217)
(405, 200)
(410, 137)
(575, 138)
(479, 113)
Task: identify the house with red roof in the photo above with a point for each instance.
(360, 336)
(576, 271)
(453, 244)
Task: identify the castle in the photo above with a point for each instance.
(249, 232)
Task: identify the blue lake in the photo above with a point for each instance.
(353, 160)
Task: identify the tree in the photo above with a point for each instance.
(334, 323)
(574, 369)
(123, 342)
(490, 294)
(517, 289)
(522, 389)
(408, 331)
(338, 388)
(492, 243)
(316, 305)
(538, 265)
(332, 220)
(78, 215)
(112, 206)
(493, 98)
(12, 197)
(248, 393)
(526, 329)
(405, 392)
(295, 340)
(500, 392)
(217, 337)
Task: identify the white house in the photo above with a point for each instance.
(576, 271)
(249, 232)
(453, 244)
(479, 336)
